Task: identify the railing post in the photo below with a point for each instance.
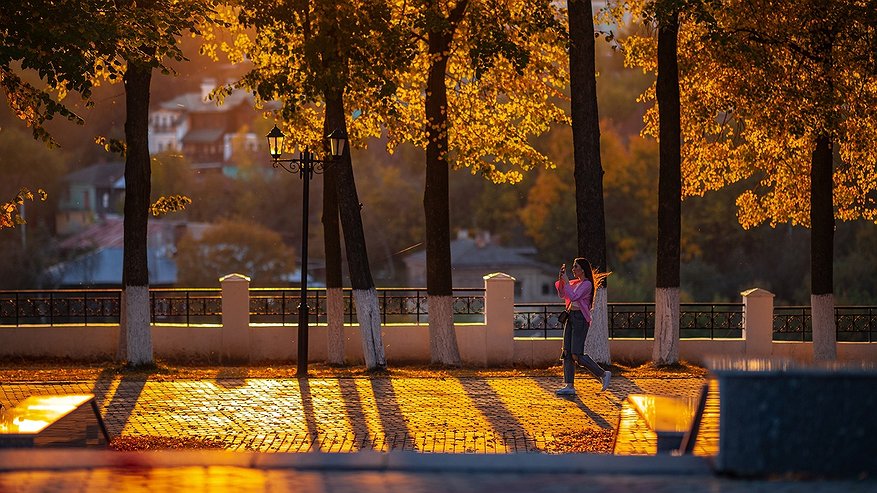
(499, 317)
(758, 322)
(235, 317)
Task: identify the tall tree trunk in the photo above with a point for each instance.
(822, 250)
(442, 336)
(666, 348)
(590, 216)
(332, 249)
(137, 334)
(367, 311)
(443, 346)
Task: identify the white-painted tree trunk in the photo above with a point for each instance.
(122, 346)
(597, 342)
(368, 315)
(335, 316)
(443, 348)
(138, 333)
(666, 348)
(824, 330)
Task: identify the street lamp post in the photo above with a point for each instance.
(306, 166)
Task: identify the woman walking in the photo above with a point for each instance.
(579, 294)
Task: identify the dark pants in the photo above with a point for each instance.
(574, 333)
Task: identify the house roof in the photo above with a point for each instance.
(204, 136)
(103, 267)
(193, 103)
(102, 175)
(475, 253)
(110, 234)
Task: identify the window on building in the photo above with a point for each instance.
(546, 289)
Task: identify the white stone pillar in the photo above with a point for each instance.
(499, 316)
(758, 322)
(235, 317)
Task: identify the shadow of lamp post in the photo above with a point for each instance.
(305, 165)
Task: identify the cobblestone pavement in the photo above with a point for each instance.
(452, 414)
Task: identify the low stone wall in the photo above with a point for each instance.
(491, 343)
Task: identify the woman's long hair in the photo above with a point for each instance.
(596, 277)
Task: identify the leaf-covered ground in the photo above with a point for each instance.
(33, 370)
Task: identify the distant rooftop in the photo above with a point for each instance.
(100, 175)
(482, 252)
(204, 136)
(195, 103)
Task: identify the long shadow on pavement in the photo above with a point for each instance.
(502, 420)
(620, 388)
(353, 408)
(307, 403)
(491, 405)
(595, 416)
(121, 404)
(390, 413)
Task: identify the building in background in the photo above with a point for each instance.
(474, 257)
(95, 254)
(206, 134)
(89, 196)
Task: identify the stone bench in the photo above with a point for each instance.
(779, 417)
(53, 421)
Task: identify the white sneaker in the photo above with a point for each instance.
(566, 391)
(607, 375)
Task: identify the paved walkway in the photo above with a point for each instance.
(454, 414)
(400, 416)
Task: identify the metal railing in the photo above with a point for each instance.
(637, 320)
(186, 306)
(103, 306)
(406, 305)
(853, 323)
(397, 305)
(59, 307)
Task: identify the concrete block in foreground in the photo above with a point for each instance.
(782, 417)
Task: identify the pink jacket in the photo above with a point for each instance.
(576, 291)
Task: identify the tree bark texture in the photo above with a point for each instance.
(443, 349)
(824, 332)
(354, 240)
(369, 316)
(670, 174)
(436, 206)
(135, 269)
(335, 309)
(122, 347)
(822, 250)
(332, 249)
(590, 216)
(588, 168)
(666, 348)
(597, 342)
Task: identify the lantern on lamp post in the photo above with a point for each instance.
(306, 165)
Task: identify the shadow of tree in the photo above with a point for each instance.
(396, 432)
(118, 404)
(593, 415)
